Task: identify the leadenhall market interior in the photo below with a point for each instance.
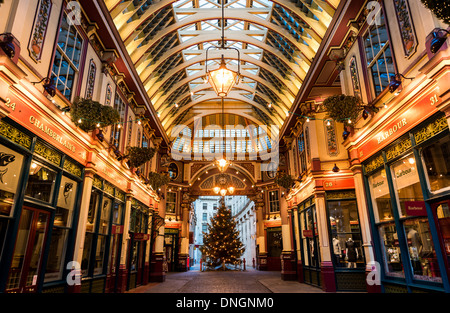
(125, 122)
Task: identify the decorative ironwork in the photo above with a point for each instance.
(349, 194)
(15, 135)
(47, 153)
(120, 195)
(431, 130)
(39, 29)
(97, 182)
(72, 168)
(108, 188)
(406, 28)
(398, 149)
(332, 145)
(374, 164)
(91, 79)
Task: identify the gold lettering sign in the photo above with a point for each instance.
(49, 132)
(392, 130)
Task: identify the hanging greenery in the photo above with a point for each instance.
(157, 180)
(440, 8)
(139, 155)
(343, 108)
(89, 115)
(285, 181)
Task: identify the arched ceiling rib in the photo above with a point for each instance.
(167, 40)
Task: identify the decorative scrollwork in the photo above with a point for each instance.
(47, 153)
(431, 130)
(398, 149)
(374, 164)
(15, 135)
(72, 168)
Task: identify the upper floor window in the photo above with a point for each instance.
(116, 129)
(378, 53)
(302, 152)
(274, 205)
(171, 202)
(67, 58)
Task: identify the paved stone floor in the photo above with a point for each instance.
(249, 281)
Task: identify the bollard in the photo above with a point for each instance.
(253, 262)
(244, 264)
(201, 263)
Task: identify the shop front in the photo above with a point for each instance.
(138, 244)
(39, 199)
(407, 184)
(171, 248)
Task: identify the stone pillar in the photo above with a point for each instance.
(184, 246)
(82, 221)
(327, 269)
(260, 233)
(296, 233)
(157, 270)
(288, 271)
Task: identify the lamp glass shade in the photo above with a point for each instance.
(231, 189)
(223, 192)
(222, 164)
(222, 79)
(216, 190)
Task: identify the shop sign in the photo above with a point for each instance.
(42, 126)
(415, 208)
(117, 229)
(141, 236)
(423, 108)
(308, 233)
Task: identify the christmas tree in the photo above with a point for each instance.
(221, 244)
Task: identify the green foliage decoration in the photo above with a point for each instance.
(157, 180)
(86, 114)
(284, 180)
(343, 108)
(139, 155)
(440, 8)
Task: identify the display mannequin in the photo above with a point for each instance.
(415, 250)
(351, 253)
(337, 250)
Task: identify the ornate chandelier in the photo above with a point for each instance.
(224, 186)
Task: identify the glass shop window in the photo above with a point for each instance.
(391, 252)
(381, 199)
(41, 182)
(346, 234)
(61, 227)
(414, 218)
(10, 172)
(274, 203)
(171, 202)
(436, 158)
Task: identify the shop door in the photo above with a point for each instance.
(114, 261)
(442, 213)
(27, 258)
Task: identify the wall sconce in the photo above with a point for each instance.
(345, 134)
(438, 40)
(7, 45)
(100, 135)
(396, 82)
(49, 85)
(336, 169)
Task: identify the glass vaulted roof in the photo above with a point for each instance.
(167, 42)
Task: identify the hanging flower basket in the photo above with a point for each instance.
(157, 180)
(285, 181)
(88, 114)
(342, 108)
(139, 155)
(440, 8)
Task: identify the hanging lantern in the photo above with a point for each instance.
(222, 79)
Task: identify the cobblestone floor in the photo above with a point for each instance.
(249, 281)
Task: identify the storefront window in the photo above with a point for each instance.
(100, 254)
(61, 226)
(437, 168)
(421, 250)
(407, 184)
(105, 216)
(41, 182)
(391, 253)
(66, 201)
(10, 173)
(443, 215)
(346, 234)
(417, 230)
(381, 198)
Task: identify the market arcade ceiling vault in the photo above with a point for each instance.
(167, 41)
